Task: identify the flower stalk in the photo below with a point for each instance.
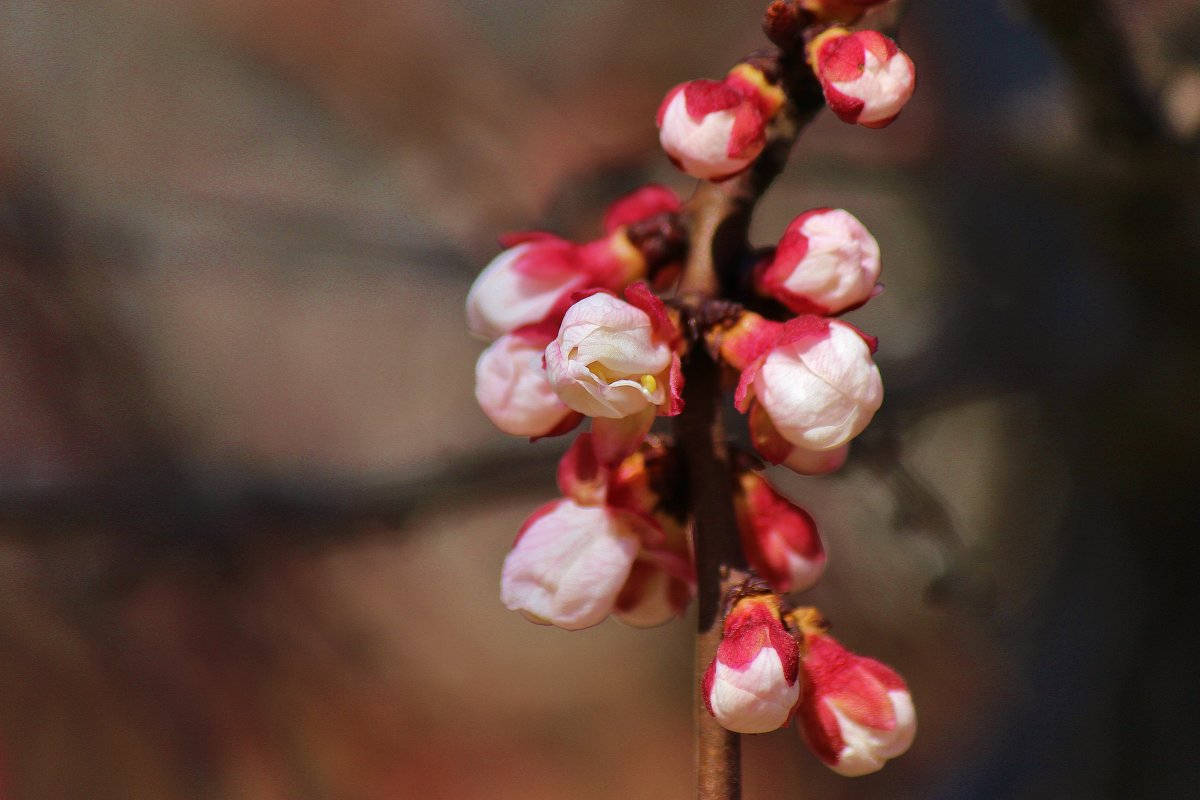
(718, 221)
(649, 522)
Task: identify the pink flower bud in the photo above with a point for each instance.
(818, 385)
(532, 282)
(866, 78)
(523, 285)
(512, 388)
(570, 561)
(710, 129)
(612, 359)
(779, 538)
(662, 580)
(827, 262)
(856, 713)
(752, 685)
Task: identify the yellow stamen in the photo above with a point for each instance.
(649, 384)
(602, 372)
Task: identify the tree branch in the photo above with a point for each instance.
(718, 218)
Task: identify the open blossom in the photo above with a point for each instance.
(827, 262)
(715, 129)
(752, 685)
(856, 713)
(866, 78)
(779, 538)
(613, 360)
(815, 389)
(570, 562)
(512, 388)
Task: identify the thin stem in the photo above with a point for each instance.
(706, 455)
(718, 221)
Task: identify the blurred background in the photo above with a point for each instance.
(252, 521)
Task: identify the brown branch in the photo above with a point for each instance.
(701, 435)
(718, 219)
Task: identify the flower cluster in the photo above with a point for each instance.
(520, 301)
(853, 712)
(606, 547)
(601, 331)
(808, 384)
(716, 129)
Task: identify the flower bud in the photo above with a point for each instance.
(827, 262)
(612, 359)
(570, 561)
(779, 538)
(523, 285)
(752, 686)
(866, 78)
(856, 713)
(818, 385)
(512, 388)
(710, 129)
(533, 281)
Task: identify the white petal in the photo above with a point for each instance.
(816, 462)
(503, 299)
(866, 749)
(756, 699)
(513, 390)
(702, 148)
(841, 265)
(821, 392)
(569, 565)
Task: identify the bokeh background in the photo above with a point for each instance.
(251, 520)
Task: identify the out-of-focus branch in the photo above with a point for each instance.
(205, 506)
(1087, 34)
(1146, 180)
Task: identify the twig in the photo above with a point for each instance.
(718, 220)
